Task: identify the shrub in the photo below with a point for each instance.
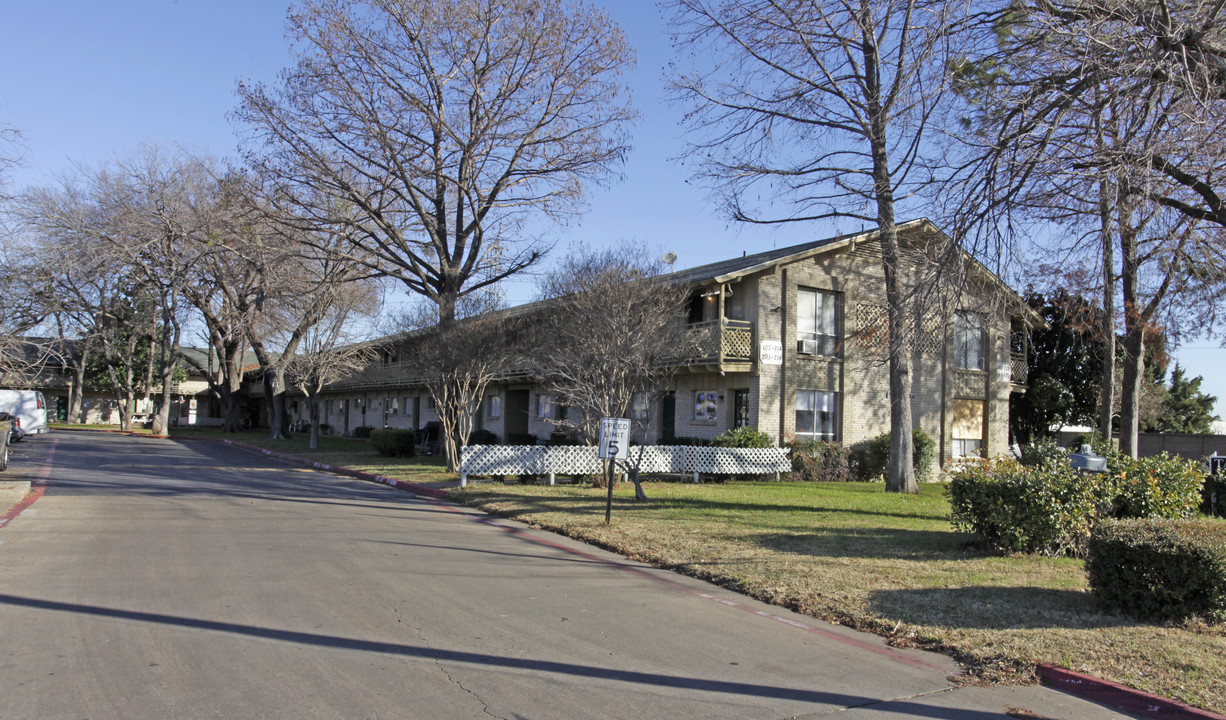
(1213, 495)
(362, 431)
(743, 437)
(482, 437)
(1160, 569)
(681, 440)
(324, 428)
(521, 439)
(1161, 486)
(816, 461)
(563, 437)
(394, 442)
(1012, 508)
(875, 457)
(1043, 451)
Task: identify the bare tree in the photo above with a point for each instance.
(1104, 116)
(613, 328)
(327, 353)
(434, 133)
(828, 107)
(457, 361)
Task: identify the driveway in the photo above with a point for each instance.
(157, 579)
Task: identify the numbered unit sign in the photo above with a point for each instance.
(614, 439)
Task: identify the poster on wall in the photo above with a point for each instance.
(704, 406)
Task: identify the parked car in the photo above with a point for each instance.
(6, 427)
(16, 433)
(29, 405)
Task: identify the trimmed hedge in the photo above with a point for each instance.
(1012, 508)
(875, 457)
(482, 437)
(743, 437)
(1050, 508)
(817, 461)
(1162, 486)
(521, 439)
(394, 442)
(363, 431)
(1160, 569)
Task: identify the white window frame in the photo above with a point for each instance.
(970, 346)
(817, 320)
(824, 406)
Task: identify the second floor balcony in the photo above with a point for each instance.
(726, 345)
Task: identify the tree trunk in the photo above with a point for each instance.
(313, 415)
(1134, 339)
(276, 410)
(1106, 405)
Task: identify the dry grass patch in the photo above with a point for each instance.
(892, 564)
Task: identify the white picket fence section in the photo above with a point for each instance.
(583, 460)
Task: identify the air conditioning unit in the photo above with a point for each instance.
(806, 347)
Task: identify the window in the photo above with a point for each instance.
(740, 408)
(545, 407)
(706, 408)
(968, 341)
(968, 428)
(493, 407)
(817, 322)
(817, 415)
(638, 406)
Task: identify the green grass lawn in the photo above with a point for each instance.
(890, 564)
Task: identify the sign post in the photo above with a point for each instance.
(614, 445)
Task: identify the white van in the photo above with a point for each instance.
(29, 406)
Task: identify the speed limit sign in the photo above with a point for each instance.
(614, 439)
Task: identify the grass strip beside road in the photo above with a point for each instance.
(890, 564)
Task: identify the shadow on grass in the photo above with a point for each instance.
(990, 607)
(868, 542)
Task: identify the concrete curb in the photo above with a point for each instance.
(12, 492)
(1121, 697)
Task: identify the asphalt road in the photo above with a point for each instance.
(157, 579)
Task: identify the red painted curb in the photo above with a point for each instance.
(1119, 696)
(37, 486)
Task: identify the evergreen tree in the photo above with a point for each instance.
(1187, 409)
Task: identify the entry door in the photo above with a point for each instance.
(516, 413)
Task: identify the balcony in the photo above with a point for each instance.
(725, 345)
(1018, 371)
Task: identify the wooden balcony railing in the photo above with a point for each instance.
(718, 342)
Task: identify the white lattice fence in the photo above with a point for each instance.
(583, 460)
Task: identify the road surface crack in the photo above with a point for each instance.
(421, 635)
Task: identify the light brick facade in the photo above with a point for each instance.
(964, 409)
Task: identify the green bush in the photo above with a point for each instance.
(482, 437)
(394, 442)
(682, 440)
(1161, 486)
(1160, 569)
(873, 460)
(816, 461)
(362, 431)
(1012, 508)
(1213, 496)
(563, 437)
(1043, 451)
(521, 439)
(743, 437)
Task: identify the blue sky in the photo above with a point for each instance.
(87, 81)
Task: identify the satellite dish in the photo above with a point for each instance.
(669, 258)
